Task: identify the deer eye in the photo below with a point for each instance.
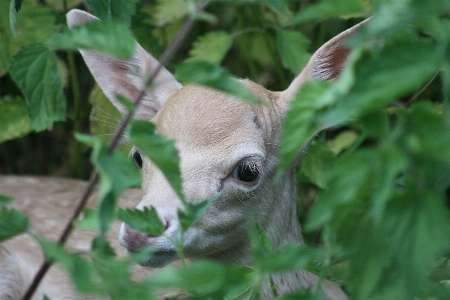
(247, 171)
(137, 158)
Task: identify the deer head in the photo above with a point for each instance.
(228, 150)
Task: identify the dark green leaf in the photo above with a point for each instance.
(215, 77)
(117, 10)
(35, 71)
(15, 121)
(12, 222)
(317, 163)
(299, 125)
(292, 47)
(160, 150)
(5, 199)
(146, 220)
(108, 37)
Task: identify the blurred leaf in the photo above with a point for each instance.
(88, 220)
(117, 173)
(117, 10)
(58, 5)
(427, 132)
(292, 47)
(211, 47)
(146, 220)
(12, 222)
(215, 77)
(299, 125)
(80, 270)
(342, 141)
(34, 69)
(191, 213)
(5, 199)
(317, 163)
(168, 11)
(409, 63)
(27, 31)
(160, 150)
(329, 9)
(220, 280)
(375, 124)
(108, 37)
(15, 121)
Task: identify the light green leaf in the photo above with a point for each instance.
(342, 141)
(146, 220)
(15, 120)
(160, 150)
(292, 47)
(88, 220)
(34, 69)
(215, 77)
(168, 11)
(12, 222)
(330, 8)
(108, 37)
(211, 47)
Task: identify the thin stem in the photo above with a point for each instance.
(168, 53)
(414, 97)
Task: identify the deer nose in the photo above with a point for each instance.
(135, 240)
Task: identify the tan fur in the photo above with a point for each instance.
(213, 132)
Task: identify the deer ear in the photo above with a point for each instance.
(326, 63)
(126, 77)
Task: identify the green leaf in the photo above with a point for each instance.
(317, 163)
(34, 69)
(408, 62)
(5, 199)
(30, 15)
(88, 220)
(300, 125)
(108, 37)
(117, 10)
(15, 120)
(342, 141)
(12, 222)
(146, 220)
(160, 150)
(215, 77)
(168, 11)
(329, 9)
(80, 270)
(292, 47)
(191, 213)
(211, 47)
(117, 173)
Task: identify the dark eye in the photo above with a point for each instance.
(247, 171)
(137, 159)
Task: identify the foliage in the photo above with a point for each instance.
(378, 175)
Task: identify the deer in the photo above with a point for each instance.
(228, 152)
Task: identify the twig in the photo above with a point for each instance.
(414, 97)
(166, 56)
